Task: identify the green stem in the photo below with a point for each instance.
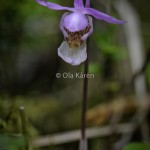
(24, 127)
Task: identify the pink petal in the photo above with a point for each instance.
(87, 4)
(53, 5)
(102, 16)
(78, 4)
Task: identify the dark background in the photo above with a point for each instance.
(29, 38)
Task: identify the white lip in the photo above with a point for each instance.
(73, 56)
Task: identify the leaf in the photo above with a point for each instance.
(10, 142)
(148, 74)
(137, 146)
(95, 68)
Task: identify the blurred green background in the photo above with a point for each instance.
(29, 38)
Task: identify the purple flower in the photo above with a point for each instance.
(76, 26)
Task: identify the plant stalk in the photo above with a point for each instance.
(83, 142)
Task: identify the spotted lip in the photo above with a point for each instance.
(74, 38)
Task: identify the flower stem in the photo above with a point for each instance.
(83, 142)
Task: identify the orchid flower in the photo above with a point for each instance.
(76, 26)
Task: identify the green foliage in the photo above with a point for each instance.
(11, 142)
(137, 146)
(113, 86)
(148, 74)
(95, 144)
(106, 41)
(94, 68)
(9, 118)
